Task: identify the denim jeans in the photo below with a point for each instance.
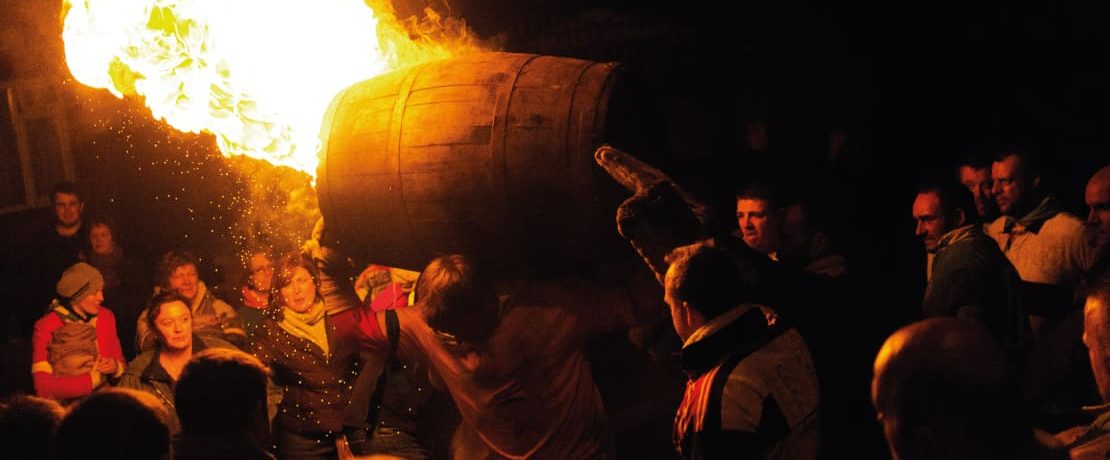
(304, 446)
(395, 442)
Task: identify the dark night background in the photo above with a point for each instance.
(912, 85)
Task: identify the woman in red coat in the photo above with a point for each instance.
(75, 348)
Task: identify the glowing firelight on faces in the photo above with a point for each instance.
(258, 74)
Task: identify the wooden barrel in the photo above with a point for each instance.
(489, 155)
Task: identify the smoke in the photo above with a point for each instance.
(431, 35)
(278, 208)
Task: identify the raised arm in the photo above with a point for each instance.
(660, 215)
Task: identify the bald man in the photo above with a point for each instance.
(943, 389)
(1097, 197)
(1090, 442)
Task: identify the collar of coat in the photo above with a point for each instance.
(733, 332)
(69, 314)
(959, 234)
(1032, 222)
(154, 369)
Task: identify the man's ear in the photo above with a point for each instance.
(1037, 181)
(961, 218)
(689, 315)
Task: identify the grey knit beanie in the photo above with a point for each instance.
(79, 281)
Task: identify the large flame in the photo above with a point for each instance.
(258, 74)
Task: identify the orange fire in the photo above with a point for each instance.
(258, 74)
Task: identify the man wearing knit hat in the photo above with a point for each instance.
(75, 345)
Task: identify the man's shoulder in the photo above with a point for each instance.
(519, 318)
(788, 349)
(1064, 223)
(217, 303)
(790, 342)
(779, 372)
(996, 226)
(976, 250)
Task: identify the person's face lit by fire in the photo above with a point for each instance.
(300, 293)
(185, 281)
(100, 237)
(1013, 187)
(261, 272)
(90, 305)
(175, 326)
(759, 224)
(932, 222)
(1097, 197)
(67, 209)
(978, 180)
(1096, 336)
(882, 398)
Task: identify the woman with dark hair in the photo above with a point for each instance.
(255, 293)
(313, 356)
(122, 287)
(156, 370)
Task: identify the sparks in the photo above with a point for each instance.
(257, 74)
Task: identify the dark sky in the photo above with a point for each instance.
(925, 78)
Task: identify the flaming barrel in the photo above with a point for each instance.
(489, 155)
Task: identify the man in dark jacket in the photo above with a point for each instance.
(752, 389)
(52, 250)
(971, 278)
